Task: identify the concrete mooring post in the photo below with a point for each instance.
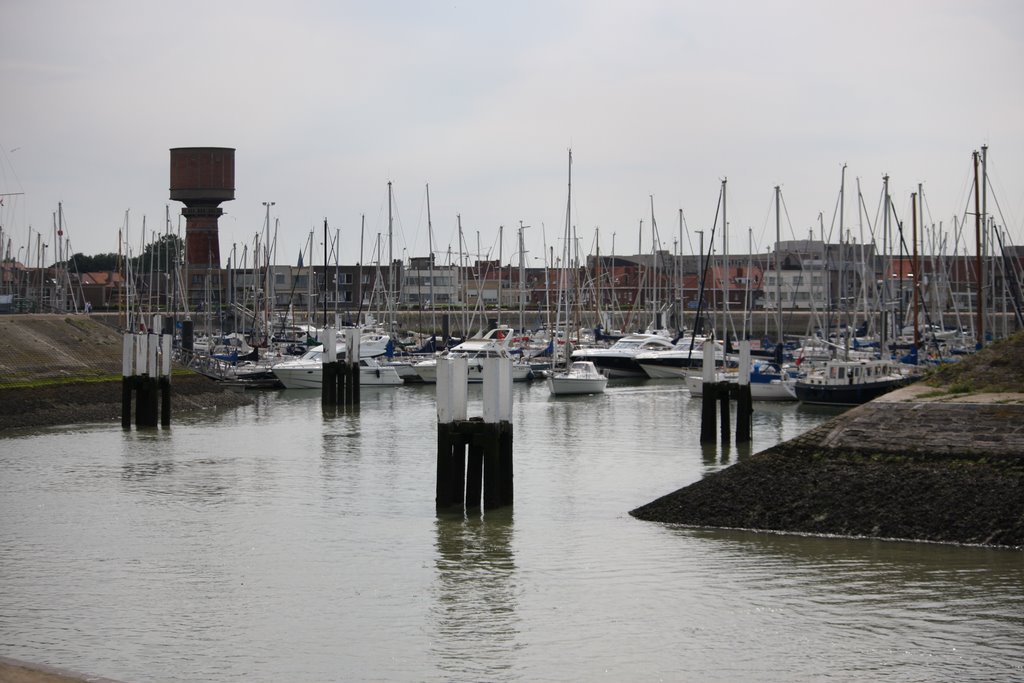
(474, 456)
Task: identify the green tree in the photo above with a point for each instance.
(161, 256)
(81, 263)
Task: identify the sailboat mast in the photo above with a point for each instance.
(501, 239)
(778, 268)
(727, 320)
(679, 278)
(987, 248)
(359, 275)
(430, 246)
(522, 282)
(462, 271)
(653, 280)
(564, 287)
(391, 266)
(325, 271)
(844, 305)
(597, 274)
(267, 277)
(886, 274)
(916, 275)
(979, 263)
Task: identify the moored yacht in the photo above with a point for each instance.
(491, 345)
(306, 372)
(851, 382)
(619, 360)
(768, 382)
(581, 377)
(679, 361)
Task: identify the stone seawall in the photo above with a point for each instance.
(911, 465)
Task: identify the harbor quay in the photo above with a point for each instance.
(921, 463)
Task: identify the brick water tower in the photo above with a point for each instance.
(202, 178)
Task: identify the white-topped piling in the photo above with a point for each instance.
(744, 399)
(474, 456)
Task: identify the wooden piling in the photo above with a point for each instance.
(329, 370)
(708, 394)
(187, 335)
(146, 394)
(474, 472)
(445, 495)
(744, 400)
(722, 391)
(127, 379)
(166, 344)
(350, 369)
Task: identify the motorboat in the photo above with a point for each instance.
(686, 356)
(307, 371)
(851, 382)
(768, 382)
(493, 344)
(581, 377)
(619, 360)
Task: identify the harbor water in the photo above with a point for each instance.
(274, 542)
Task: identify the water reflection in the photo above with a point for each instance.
(890, 607)
(272, 543)
(476, 594)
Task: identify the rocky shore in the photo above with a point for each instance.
(941, 460)
(100, 401)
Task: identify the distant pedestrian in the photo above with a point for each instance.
(88, 307)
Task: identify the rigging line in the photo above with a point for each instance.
(926, 207)
(767, 217)
(879, 212)
(704, 275)
(967, 205)
(999, 209)
(867, 219)
(397, 218)
(1015, 291)
(686, 228)
(785, 211)
(832, 225)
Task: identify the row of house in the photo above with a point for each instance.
(800, 275)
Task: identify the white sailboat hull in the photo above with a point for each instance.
(582, 377)
(427, 371)
(775, 390)
(310, 377)
(564, 386)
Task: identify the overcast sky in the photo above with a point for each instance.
(325, 102)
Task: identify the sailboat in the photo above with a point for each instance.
(580, 376)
